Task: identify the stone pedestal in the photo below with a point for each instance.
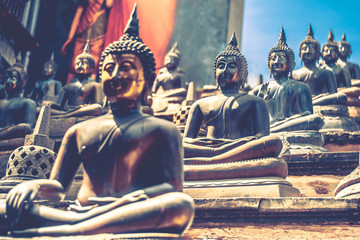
(245, 187)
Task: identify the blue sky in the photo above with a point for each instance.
(263, 20)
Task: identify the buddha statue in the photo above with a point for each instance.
(321, 81)
(169, 89)
(83, 95)
(17, 113)
(133, 169)
(47, 89)
(237, 157)
(344, 54)
(289, 101)
(237, 123)
(330, 55)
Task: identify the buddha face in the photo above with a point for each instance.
(344, 51)
(308, 52)
(123, 77)
(83, 66)
(279, 63)
(329, 53)
(49, 70)
(12, 81)
(227, 72)
(171, 62)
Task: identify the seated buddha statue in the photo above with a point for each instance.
(169, 89)
(344, 54)
(133, 169)
(83, 95)
(330, 55)
(48, 88)
(321, 81)
(17, 113)
(289, 101)
(237, 123)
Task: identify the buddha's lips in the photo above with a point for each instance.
(225, 76)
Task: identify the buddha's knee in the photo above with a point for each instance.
(314, 122)
(178, 211)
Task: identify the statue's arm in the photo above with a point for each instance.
(262, 119)
(357, 71)
(156, 86)
(30, 113)
(194, 121)
(58, 87)
(306, 100)
(173, 157)
(347, 77)
(331, 80)
(62, 98)
(99, 94)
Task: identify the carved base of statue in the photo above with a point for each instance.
(242, 187)
(349, 186)
(336, 118)
(300, 142)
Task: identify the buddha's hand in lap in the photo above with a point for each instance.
(23, 193)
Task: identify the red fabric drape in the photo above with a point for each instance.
(156, 22)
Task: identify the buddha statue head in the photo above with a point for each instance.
(344, 48)
(15, 79)
(330, 50)
(127, 67)
(50, 68)
(281, 58)
(84, 62)
(231, 67)
(173, 57)
(309, 49)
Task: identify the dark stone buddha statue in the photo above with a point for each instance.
(321, 81)
(330, 55)
(169, 89)
(236, 121)
(83, 95)
(17, 113)
(48, 88)
(133, 166)
(344, 54)
(289, 101)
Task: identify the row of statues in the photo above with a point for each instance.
(134, 162)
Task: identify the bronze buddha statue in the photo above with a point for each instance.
(236, 121)
(344, 54)
(18, 114)
(289, 101)
(321, 81)
(83, 95)
(169, 89)
(330, 55)
(48, 88)
(130, 159)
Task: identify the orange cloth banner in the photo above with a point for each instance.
(156, 20)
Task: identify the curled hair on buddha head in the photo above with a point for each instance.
(17, 66)
(131, 43)
(232, 50)
(86, 54)
(310, 39)
(331, 42)
(344, 42)
(282, 46)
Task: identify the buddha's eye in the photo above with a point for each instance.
(126, 66)
(221, 65)
(233, 65)
(109, 67)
